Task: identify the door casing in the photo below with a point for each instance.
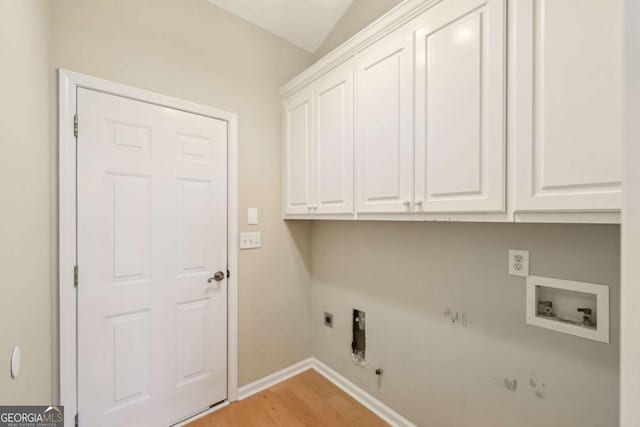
(68, 83)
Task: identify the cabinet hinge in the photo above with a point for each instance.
(75, 125)
(75, 276)
(228, 274)
(75, 420)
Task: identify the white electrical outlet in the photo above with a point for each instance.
(249, 240)
(518, 263)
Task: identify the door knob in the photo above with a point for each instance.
(217, 277)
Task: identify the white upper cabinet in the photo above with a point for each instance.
(384, 135)
(297, 152)
(460, 107)
(318, 146)
(463, 110)
(568, 104)
(333, 142)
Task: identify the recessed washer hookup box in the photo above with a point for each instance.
(575, 308)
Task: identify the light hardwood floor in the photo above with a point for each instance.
(308, 399)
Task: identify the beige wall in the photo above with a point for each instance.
(25, 309)
(437, 373)
(360, 14)
(195, 51)
(186, 49)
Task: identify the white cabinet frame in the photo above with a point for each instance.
(541, 186)
(460, 120)
(333, 141)
(381, 142)
(298, 136)
(318, 149)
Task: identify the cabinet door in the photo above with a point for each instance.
(333, 147)
(568, 104)
(460, 107)
(384, 146)
(297, 152)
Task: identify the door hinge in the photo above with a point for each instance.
(76, 420)
(75, 276)
(75, 125)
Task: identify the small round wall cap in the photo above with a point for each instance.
(15, 362)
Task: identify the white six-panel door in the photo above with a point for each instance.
(568, 104)
(460, 107)
(152, 191)
(333, 142)
(384, 134)
(298, 134)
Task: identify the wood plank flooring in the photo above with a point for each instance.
(308, 399)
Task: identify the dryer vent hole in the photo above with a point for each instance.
(359, 342)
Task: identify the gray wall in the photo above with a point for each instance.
(25, 297)
(443, 374)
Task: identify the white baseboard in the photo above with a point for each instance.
(273, 379)
(367, 400)
(257, 386)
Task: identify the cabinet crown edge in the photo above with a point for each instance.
(387, 23)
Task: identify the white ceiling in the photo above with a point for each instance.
(304, 23)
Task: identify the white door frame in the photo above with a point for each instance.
(68, 84)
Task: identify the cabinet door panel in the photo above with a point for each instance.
(384, 146)
(460, 112)
(568, 105)
(333, 152)
(298, 146)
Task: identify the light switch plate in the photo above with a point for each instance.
(249, 240)
(518, 263)
(252, 216)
